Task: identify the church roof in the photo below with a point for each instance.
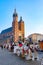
(6, 30)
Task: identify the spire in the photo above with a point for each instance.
(21, 18)
(15, 10)
(15, 13)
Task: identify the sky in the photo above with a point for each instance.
(30, 10)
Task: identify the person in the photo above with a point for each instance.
(35, 54)
(1, 46)
(30, 54)
(12, 47)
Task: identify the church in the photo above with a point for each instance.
(14, 33)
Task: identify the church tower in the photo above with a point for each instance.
(21, 27)
(15, 26)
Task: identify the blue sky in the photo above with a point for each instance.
(30, 10)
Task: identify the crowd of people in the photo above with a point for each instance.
(26, 51)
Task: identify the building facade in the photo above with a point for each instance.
(36, 37)
(14, 33)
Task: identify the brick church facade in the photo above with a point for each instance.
(14, 33)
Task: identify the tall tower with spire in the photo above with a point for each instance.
(15, 26)
(18, 27)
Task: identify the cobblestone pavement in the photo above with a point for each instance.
(8, 58)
